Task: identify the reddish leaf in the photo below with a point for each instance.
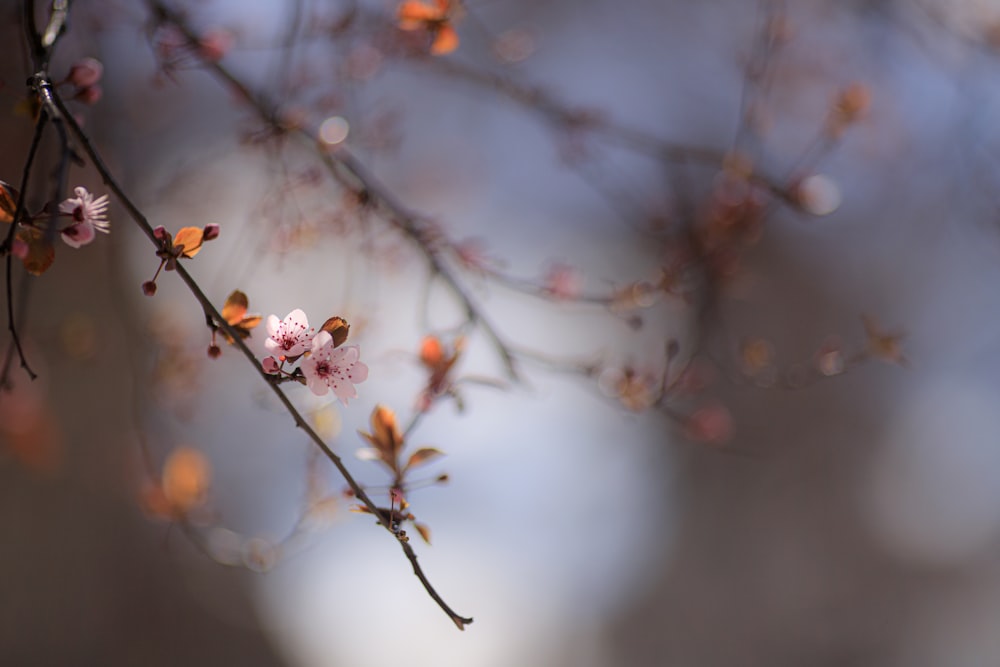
(385, 436)
(422, 456)
(8, 202)
(40, 255)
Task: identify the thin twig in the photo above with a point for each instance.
(347, 170)
(8, 245)
(300, 421)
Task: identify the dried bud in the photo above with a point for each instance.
(214, 351)
(210, 232)
(85, 73)
(149, 288)
(338, 328)
(161, 234)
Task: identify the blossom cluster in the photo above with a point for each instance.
(31, 242)
(326, 365)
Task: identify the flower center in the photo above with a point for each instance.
(78, 214)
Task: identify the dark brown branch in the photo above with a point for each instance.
(140, 220)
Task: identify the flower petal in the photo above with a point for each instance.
(272, 325)
(358, 373)
(78, 235)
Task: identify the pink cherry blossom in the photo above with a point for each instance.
(334, 368)
(89, 216)
(288, 337)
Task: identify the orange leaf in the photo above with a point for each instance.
(40, 255)
(412, 15)
(235, 307)
(234, 312)
(424, 530)
(431, 351)
(385, 436)
(188, 240)
(247, 323)
(445, 40)
(8, 202)
(186, 476)
(422, 456)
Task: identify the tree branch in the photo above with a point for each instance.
(140, 220)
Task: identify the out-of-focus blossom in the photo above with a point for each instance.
(711, 424)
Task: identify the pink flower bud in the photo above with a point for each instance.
(210, 232)
(85, 73)
(149, 288)
(214, 45)
(161, 234)
(89, 95)
(19, 249)
(270, 365)
(711, 424)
